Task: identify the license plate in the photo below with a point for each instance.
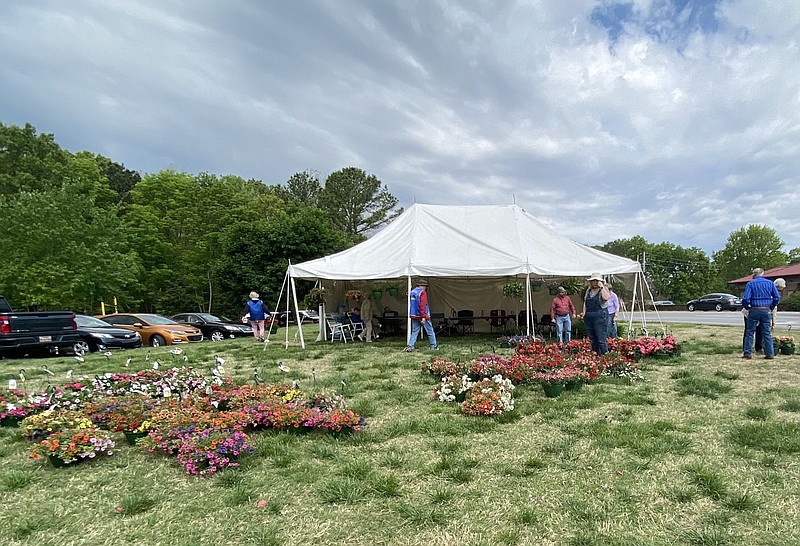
(43, 339)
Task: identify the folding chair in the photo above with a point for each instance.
(497, 320)
(440, 325)
(546, 326)
(337, 329)
(465, 323)
(356, 326)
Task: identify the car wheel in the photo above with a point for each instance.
(690, 307)
(80, 348)
(157, 341)
(718, 307)
(217, 335)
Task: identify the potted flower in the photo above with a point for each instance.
(73, 445)
(489, 397)
(129, 415)
(554, 381)
(16, 405)
(210, 450)
(353, 295)
(377, 291)
(552, 287)
(453, 388)
(536, 284)
(514, 290)
(41, 425)
(786, 345)
(316, 297)
(393, 287)
(572, 285)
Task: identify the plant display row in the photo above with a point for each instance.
(205, 426)
(484, 385)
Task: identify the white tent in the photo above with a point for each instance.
(464, 252)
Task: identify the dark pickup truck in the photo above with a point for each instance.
(35, 332)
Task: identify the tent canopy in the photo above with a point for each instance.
(464, 241)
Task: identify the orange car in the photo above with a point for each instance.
(155, 329)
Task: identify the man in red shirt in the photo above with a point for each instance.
(560, 311)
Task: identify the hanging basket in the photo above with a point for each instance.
(392, 292)
(377, 294)
(536, 287)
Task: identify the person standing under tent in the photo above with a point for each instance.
(368, 317)
(256, 312)
(420, 315)
(595, 315)
(560, 310)
(760, 298)
(613, 309)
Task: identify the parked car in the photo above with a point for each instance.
(213, 327)
(155, 329)
(716, 301)
(98, 335)
(306, 316)
(32, 332)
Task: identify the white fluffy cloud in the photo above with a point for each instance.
(605, 121)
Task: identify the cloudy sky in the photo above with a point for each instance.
(677, 120)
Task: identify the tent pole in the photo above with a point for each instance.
(408, 314)
(297, 314)
(277, 307)
(528, 304)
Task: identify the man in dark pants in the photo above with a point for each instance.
(760, 298)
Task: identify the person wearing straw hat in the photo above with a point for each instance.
(595, 313)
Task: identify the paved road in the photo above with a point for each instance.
(786, 320)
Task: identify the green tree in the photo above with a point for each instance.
(794, 256)
(61, 249)
(356, 202)
(305, 188)
(749, 247)
(118, 178)
(30, 162)
(255, 256)
(673, 272)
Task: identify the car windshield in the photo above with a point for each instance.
(90, 322)
(157, 319)
(209, 318)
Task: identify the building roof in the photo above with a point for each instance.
(772, 274)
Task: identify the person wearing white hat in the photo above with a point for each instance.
(256, 312)
(595, 314)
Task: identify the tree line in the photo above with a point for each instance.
(80, 228)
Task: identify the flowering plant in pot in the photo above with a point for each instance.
(353, 295)
(442, 367)
(514, 290)
(41, 425)
(786, 344)
(72, 445)
(210, 450)
(393, 287)
(16, 404)
(316, 297)
(453, 388)
(489, 397)
(126, 413)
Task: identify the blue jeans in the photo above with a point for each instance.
(612, 327)
(761, 320)
(564, 329)
(597, 328)
(415, 326)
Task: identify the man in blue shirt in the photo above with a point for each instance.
(760, 298)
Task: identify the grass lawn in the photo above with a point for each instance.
(704, 451)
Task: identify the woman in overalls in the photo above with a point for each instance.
(595, 315)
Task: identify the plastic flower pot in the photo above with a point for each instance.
(536, 287)
(377, 294)
(11, 421)
(57, 462)
(553, 391)
(575, 385)
(787, 350)
(133, 437)
(392, 292)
